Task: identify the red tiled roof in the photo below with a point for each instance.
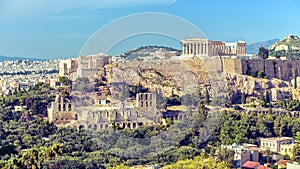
(251, 164)
(282, 162)
(253, 148)
(263, 167)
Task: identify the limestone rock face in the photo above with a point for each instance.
(252, 86)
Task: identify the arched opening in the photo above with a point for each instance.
(134, 125)
(140, 124)
(76, 117)
(95, 126)
(128, 125)
(64, 107)
(69, 107)
(81, 127)
(106, 126)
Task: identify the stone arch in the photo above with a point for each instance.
(95, 127)
(128, 125)
(140, 124)
(89, 126)
(76, 116)
(134, 125)
(123, 125)
(69, 107)
(106, 126)
(81, 127)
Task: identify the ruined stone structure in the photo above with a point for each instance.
(206, 47)
(281, 69)
(96, 118)
(84, 66)
(90, 65)
(64, 112)
(68, 67)
(145, 100)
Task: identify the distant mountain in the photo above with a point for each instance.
(252, 48)
(288, 47)
(144, 51)
(10, 58)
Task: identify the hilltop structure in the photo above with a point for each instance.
(206, 47)
(83, 66)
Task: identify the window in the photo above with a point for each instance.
(76, 116)
(69, 107)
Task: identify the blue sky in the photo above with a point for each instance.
(60, 28)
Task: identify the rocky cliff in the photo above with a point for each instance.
(236, 84)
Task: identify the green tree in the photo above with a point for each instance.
(243, 98)
(263, 52)
(65, 81)
(267, 97)
(297, 136)
(295, 82)
(207, 97)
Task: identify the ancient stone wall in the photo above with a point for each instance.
(281, 69)
(232, 65)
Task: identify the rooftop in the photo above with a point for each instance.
(278, 138)
(251, 164)
(263, 167)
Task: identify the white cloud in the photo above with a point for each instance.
(40, 8)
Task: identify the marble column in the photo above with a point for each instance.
(194, 48)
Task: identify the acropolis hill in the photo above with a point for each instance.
(163, 74)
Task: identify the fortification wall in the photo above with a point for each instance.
(232, 65)
(281, 69)
(213, 65)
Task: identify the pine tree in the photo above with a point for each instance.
(206, 97)
(295, 82)
(243, 99)
(268, 99)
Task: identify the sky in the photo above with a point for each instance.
(60, 28)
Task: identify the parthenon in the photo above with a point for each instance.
(206, 47)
